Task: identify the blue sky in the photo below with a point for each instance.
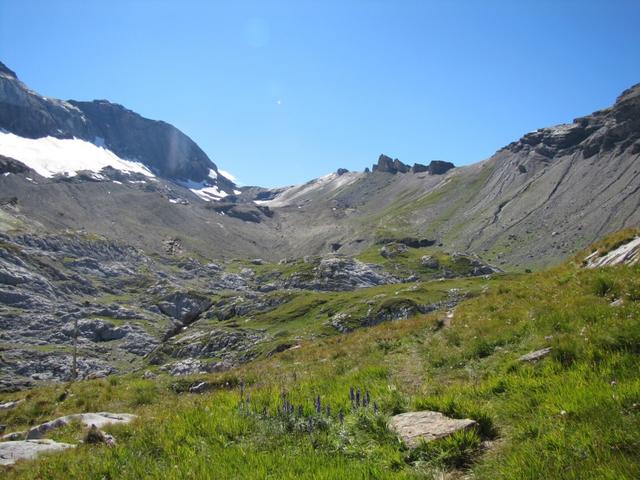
(281, 92)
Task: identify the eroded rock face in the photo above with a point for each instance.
(617, 127)
(389, 165)
(184, 306)
(440, 167)
(416, 427)
(343, 273)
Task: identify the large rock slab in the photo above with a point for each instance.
(11, 452)
(626, 254)
(87, 419)
(416, 427)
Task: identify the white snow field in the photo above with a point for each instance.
(50, 156)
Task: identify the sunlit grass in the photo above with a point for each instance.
(574, 414)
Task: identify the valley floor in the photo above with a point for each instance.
(574, 414)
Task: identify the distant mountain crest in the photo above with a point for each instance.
(159, 146)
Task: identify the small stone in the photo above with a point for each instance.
(617, 303)
(201, 387)
(536, 355)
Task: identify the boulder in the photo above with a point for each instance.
(98, 420)
(11, 452)
(429, 262)
(416, 427)
(392, 250)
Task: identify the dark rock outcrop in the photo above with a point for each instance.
(617, 127)
(10, 165)
(388, 165)
(439, 167)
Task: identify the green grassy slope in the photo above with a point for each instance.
(573, 415)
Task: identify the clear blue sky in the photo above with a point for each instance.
(281, 92)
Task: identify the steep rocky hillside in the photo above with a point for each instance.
(534, 202)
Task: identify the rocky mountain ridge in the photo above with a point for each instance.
(531, 204)
(158, 145)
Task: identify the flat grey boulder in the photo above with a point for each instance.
(87, 419)
(416, 427)
(535, 355)
(11, 452)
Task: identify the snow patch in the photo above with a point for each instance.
(204, 190)
(213, 174)
(50, 156)
(326, 184)
(227, 175)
